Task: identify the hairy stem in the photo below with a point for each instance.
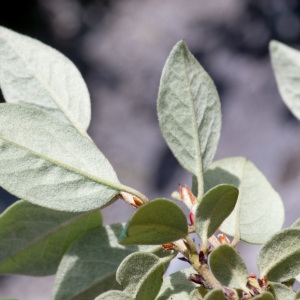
(201, 268)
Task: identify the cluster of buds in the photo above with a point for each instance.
(257, 285)
(203, 256)
(198, 279)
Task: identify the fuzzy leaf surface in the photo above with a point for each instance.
(37, 250)
(140, 274)
(215, 206)
(215, 294)
(49, 163)
(296, 224)
(279, 258)
(97, 255)
(198, 293)
(280, 291)
(259, 212)
(177, 286)
(189, 111)
(264, 296)
(157, 222)
(35, 74)
(297, 296)
(228, 267)
(286, 64)
(114, 295)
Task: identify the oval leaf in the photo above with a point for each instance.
(286, 64)
(177, 286)
(97, 255)
(279, 258)
(228, 267)
(49, 163)
(189, 110)
(259, 211)
(140, 274)
(281, 292)
(114, 295)
(35, 74)
(37, 250)
(215, 206)
(215, 294)
(157, 222)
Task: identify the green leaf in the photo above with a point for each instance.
(189, 110)
(215, 206)
(35, 74)
(279, 258)
(177, 286)
(215, 294)
(280, 291)
(34, 239)
(140, 274)
(157, 222)
(264, 296)
(228, 267)
(114, 295)
(296, 224)
(297, 296)
(286, 64)
(259, 211)
(97, 255)
(49, 163)
(198, 294)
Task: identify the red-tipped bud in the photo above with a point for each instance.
(192, 219)
(187, 197)
(168, 246)
(131, 200)
(223, 238)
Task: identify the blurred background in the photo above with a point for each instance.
(120, 48)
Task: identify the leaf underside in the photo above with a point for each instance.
(35, 74)
(37, 250)
(49, 163)
(97, 255)
(259, 212)
(286, 64)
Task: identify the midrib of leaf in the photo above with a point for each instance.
(50, 91)
(110, 184)
(207, 223)
(196, 135)
(51, 232)
(236, 276)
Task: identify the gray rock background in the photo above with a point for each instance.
(121, 46)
